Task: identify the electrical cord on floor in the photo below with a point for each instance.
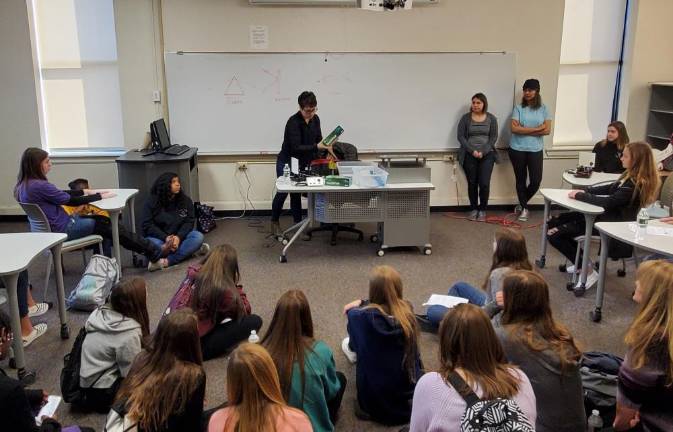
(509, 220)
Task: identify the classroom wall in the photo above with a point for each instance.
(652, 60)
(530, 28)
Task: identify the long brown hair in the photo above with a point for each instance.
(643, 173)
(129, 298)
(386, 295)
(510, 251)
(652, 329)
(164, 377)
(218, 275)
(622, 135)
(289, 336)
(468, 342)
(535, 103)
(528, 319)
(30, 167)
(253, 390)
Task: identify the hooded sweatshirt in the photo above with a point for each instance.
(111, 344)
(384, 388)
(558, 392)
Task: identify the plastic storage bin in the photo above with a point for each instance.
(370, 176)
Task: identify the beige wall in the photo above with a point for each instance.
(652, 60)
(529, 28)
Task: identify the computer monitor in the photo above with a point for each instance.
(160, 134)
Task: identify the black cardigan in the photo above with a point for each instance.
(620, 200)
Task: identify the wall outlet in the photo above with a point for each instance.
(448, 158)
(242, 166)
(156, 96)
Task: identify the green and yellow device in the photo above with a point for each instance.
(333, 180)
(332, 137)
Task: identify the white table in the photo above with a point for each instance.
(590, 211)
(114, 206)
(16, 253)
(627, 232)
(370, 204)
(595, 179)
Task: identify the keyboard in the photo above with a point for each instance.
(176, 150)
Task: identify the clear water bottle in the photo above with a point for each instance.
(286, 174)
(595, 421)
(253, 338)
(643, 217)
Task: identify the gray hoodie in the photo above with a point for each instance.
(112, 342)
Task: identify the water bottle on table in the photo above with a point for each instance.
(286, 174)
(643, 217)
(595, 422)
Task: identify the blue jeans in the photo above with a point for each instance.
(473, 295)
(188, 246)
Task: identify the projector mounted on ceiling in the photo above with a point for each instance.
(352, 3)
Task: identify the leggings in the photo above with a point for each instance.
(224, 337)
(527, 168)
(478, 174)
(279, 198)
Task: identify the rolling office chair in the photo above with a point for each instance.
(666, 194)
(39, 223)
(345, 152)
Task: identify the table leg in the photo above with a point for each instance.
(60, 290)
(301, 227)
(11, 281)
(116, 252)
(589, 226)
(602, 271)
(132, 212)
(543, 242)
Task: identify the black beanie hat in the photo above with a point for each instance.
(532, 84)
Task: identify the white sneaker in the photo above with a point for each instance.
(204, 249)
(592, 279)
(3, 297)
(159, 264)
(38, 330)
(570, 269)
(518, 209)
(523, 217)
(350, 355)
(38, 309)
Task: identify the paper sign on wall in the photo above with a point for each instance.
(259, 37)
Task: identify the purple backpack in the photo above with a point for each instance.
(183, 296)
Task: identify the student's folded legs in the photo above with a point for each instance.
(224, 337)
(188, 247)
(475, 296)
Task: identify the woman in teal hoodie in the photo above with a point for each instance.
(315, 387)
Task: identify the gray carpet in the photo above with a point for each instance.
(331, 276)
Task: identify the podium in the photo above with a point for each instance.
(136, 171)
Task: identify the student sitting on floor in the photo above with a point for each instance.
(81, 184)
(645, 386)
(383, 339)
(255, 399)
(509, 253)
(306, 368)
(469, 348)
(637, 187)
(116, 333)
(28, 309)
(165, 388)
(544, 350)
(214, 291)
(19, 405)
(168, 220)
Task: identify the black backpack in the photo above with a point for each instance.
(70, 389)
(205, 217)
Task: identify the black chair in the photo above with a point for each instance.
(345, 152)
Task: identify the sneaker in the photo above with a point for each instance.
(350, 355)
(592, 279)
(38, 330)
(275, 229)
(481, 216)
(523, 216)
(38, 309)
(473, 215)
(3, 297)
(518, 209)
(204, 249)
(159, 264)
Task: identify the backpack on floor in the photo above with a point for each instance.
(599, 372)
(183, 296)
(495, 415)
(205, 217)
(116, 420)
(70, 389)
(94, 288)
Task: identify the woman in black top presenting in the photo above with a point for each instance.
(609, 151)
(302, 140)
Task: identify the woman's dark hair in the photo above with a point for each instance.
(162, 188)
(30, 167)
(165, 375)
(622, 135)
(532, 84)
(482, 98)
(79, 184)
(510, 251)
(307, 99)
(129, 298)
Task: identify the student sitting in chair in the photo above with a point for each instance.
(28, 309)
(81, 184)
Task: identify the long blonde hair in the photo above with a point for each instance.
(652, 329)
(643, 173)
(386, 295)
(253, 390)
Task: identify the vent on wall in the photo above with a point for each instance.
(353, 3)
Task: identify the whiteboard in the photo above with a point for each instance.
(233, 103)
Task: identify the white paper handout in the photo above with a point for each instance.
(444, 300)
(659, 231)
(48, 409)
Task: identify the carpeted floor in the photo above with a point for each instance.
(331, 276)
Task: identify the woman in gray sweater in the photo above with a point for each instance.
(544, 350)
(477, 134)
